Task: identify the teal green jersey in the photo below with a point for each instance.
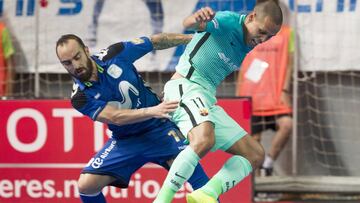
(215, 53)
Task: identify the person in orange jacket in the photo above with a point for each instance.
(266, 76)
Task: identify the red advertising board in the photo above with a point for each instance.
(45, 143)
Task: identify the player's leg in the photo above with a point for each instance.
(110, 166)
(233, 171)
(90, 186)
(197, 179)
(248, 155)
(165, 144)
(257, 137)
(284, 129)
(260, 124)
(193, 120)
(282, 133)
(184, 165)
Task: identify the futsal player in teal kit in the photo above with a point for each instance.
(108, 89)
(216, 50)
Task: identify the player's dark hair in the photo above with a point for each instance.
(270, 8)
(65, 38)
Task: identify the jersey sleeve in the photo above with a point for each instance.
(222, 22)
(128, 50)
(137, 48)
(86, 105)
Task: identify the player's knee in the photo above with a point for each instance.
(202, 138)
(257, 137)
(285, 125)
(257, 156)
(202, 146)
(87, 185)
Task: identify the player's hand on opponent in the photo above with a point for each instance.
(199, 19)
(163, 109)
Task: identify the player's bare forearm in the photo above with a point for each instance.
(116, 116)
(168, 40)
(191, 24)
(113, 115)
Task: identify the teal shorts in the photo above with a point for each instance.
(198, 105)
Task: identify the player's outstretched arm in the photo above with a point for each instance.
(197, 21)
(168, 40)
(116, 116)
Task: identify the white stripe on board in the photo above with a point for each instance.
(57, 165)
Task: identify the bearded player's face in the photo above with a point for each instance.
(75, 60)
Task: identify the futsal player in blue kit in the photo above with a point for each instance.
(107, 88)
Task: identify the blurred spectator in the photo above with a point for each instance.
(6, 61)
(265, 76)
(156, 14)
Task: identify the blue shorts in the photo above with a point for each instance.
(120, 158)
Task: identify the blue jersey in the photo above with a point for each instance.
(120, 85)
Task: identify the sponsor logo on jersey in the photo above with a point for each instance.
(114, 71)
(102, 53)
(204, 112)
(75, 88)
(227, 60)
(97, 96)
(137, 41)
(98, 161)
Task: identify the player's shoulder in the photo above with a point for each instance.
(227, 18)
(110, 52)
(228, 14)
(78, 97)
(120, 48)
